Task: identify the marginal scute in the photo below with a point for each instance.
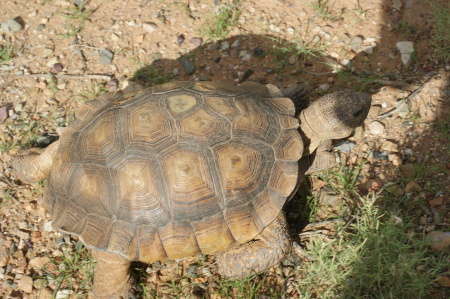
(178, 240)
(289, 122)
(212, 228)
(96, 232)
(284, 178)
(289, 147)
(242, 224)
(122, 240)
(283, 105)
(150, 245)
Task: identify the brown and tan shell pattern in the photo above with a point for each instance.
(174, 170)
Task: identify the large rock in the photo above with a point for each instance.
(406, 50)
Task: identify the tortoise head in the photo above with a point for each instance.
(333, 116)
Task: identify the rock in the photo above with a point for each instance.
(374, 111)
(327, 196)
(62, 294)
(443, 281)
(11, 26)
(368, 50)
(192, 270)
(376, 128)
(408, 171)
(395, 159)
(316, 39)
(346, 62)
(324, 86)
(225, 45)
(358, 133)
(412, 187)
(57, 68)
(188, 66)
(246, 57)
(4, 256)
(406, 50)
(150, 27)
(43, 141)
(46, 52)
(396, 190)
(438, 201)
(389, 146)
(196, 41)
(106, 57)
(397, 4)
(345, 146)
(3, 113)
(258, 52)
(180, 40)
(381, 156)
(374, 185)
(292, 59)
(25, 284)
(154, 56)
(439, 240)
(404, 111)
(48, 226)
(355, 43)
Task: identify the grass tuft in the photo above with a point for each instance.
(6, 51)
(223, 21)
(73, 271)
(441, 37)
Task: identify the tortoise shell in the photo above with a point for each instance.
(174, 170)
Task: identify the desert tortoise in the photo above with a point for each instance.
(181, 169)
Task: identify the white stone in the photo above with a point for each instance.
(150, 27)
(406, 50)
(376, 128)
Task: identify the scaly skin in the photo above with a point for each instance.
(263, 252)
(112, 278)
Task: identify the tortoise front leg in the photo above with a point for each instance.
(265, 251)
(112, 278)
(34, 164)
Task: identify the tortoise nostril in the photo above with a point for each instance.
(357, 112)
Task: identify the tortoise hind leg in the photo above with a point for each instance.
(34, 164)
(112, 278)
(265, 251)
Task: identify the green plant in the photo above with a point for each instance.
(96, 90)
(372, 257)
(6, 51)
(281, 51)
(73, 271)
(325, 9)
(441, 36)
(78, 15)
(221, 24)
(151, 75)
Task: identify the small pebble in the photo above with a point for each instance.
(180, 40)
(376, 128)
(106, 57)
(196, 41)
